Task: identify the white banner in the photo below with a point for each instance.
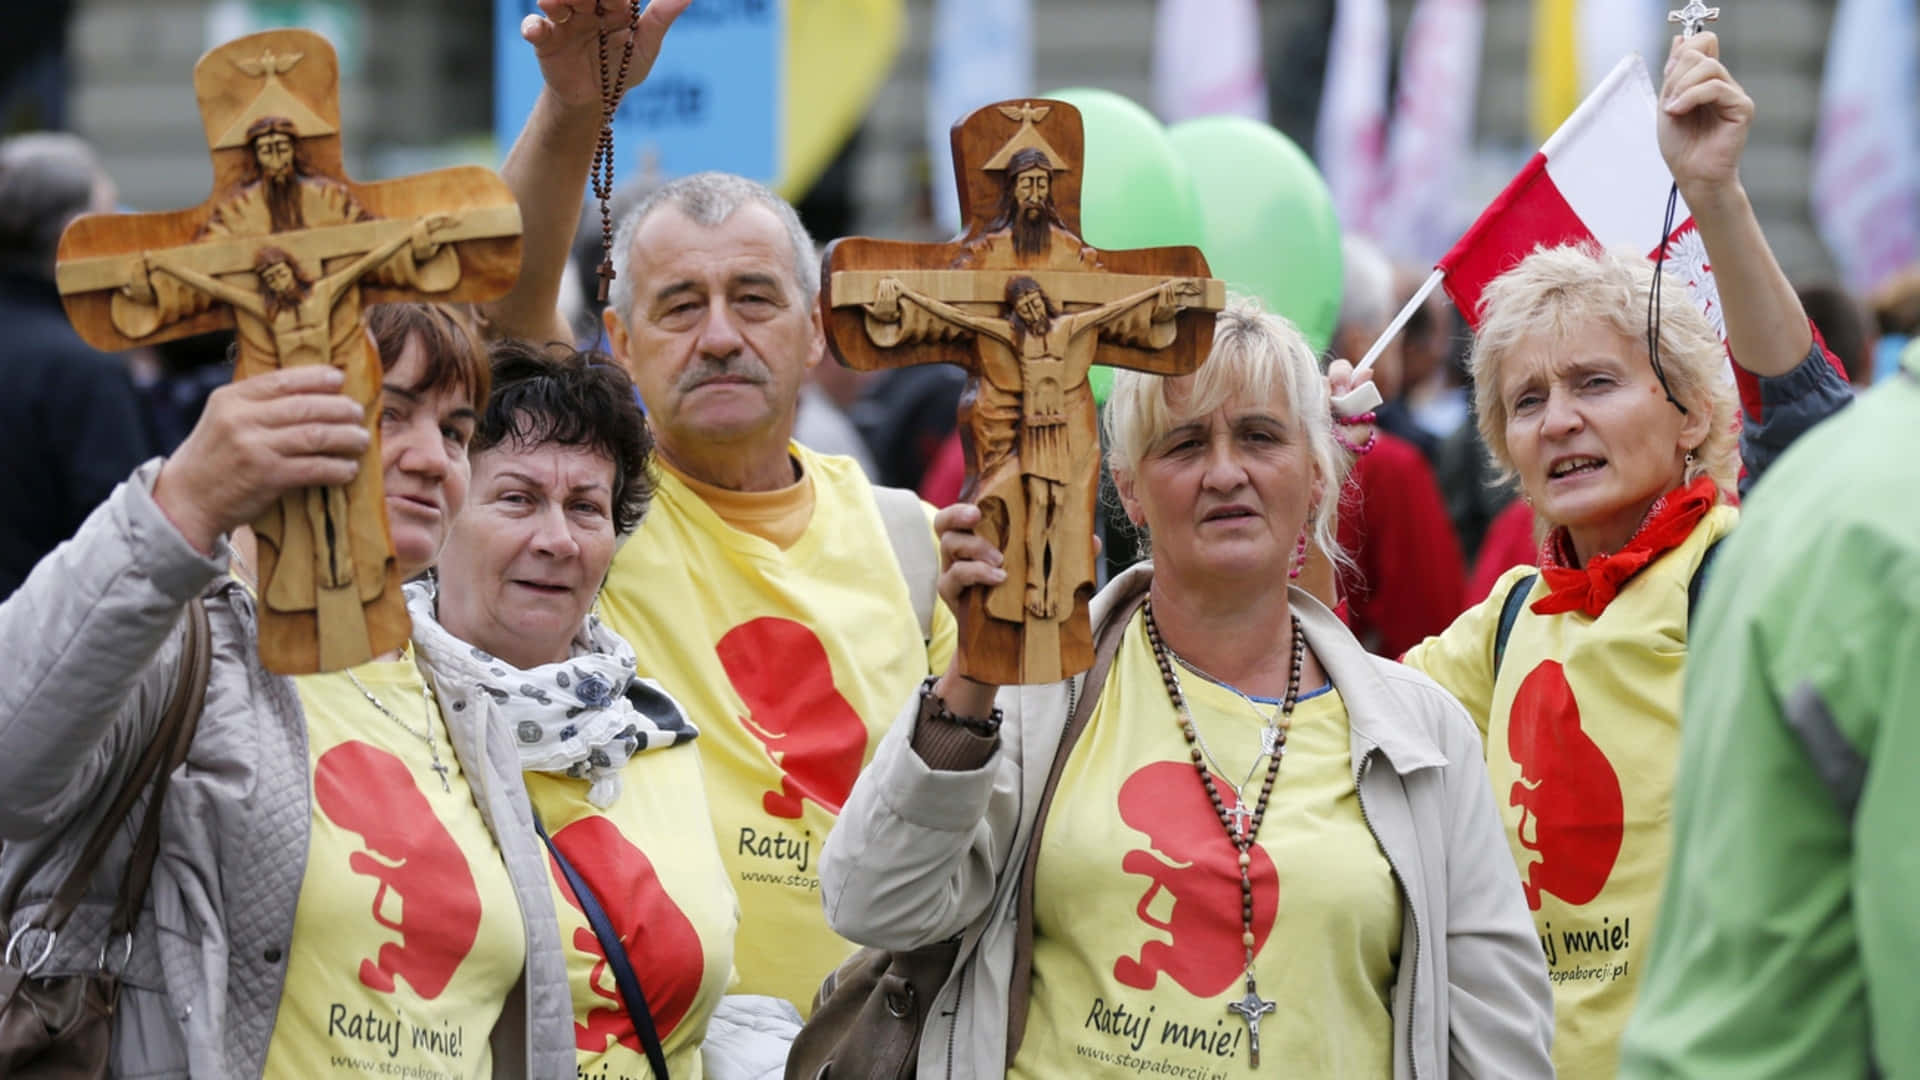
(1610, 30)
(1349, 141)
(1206, 60)
(981, 51)
(1866, 149)
(1432, 129)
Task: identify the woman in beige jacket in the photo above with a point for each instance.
(1254, 842)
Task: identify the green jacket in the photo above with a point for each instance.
(1787, 941)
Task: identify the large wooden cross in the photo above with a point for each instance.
(1025, 306)
(291, 252)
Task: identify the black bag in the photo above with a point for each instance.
(60, 1027)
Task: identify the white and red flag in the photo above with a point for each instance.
(1599, 180)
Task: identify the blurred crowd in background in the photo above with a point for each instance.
(1424, 519)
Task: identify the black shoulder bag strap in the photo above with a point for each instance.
(610, 944)
(1510, 614)
(1698, 583)
(1517, 599)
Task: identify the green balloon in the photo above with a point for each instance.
(1134, 191)
(1100, 381)
(1268, 221)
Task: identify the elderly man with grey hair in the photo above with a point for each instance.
(70, 427)
(786, 602)
(776, 592)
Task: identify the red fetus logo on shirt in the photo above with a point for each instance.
(662, 945)
(1571, 810)
(370, 792)
(783, 674)
(1194, 863)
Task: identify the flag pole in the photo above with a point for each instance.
(1354, 401)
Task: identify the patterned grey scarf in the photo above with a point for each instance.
(584, 716)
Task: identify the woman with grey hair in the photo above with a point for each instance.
(1238, 809)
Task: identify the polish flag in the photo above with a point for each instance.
(1600, 180)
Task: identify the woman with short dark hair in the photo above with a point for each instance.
(562, 476)
(345, 872)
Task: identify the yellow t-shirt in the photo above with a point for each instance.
(1582, 730)
(1137, 910)
(792, 663)
(407, 937)
(662, 885)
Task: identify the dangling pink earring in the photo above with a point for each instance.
(1299, 557)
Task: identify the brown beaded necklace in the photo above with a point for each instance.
(602, 173)
(1241, 832)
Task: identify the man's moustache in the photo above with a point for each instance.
(748, 370)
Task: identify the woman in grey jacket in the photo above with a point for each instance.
(348, 880)
(1247, 839)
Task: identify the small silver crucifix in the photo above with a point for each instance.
(1242, 817)
(1251, 1008)
(1693, 18)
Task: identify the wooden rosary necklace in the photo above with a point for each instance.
(1242, 828)
(602, 173)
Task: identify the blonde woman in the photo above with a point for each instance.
(1238, 812)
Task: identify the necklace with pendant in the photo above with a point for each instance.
(426, 696)
(1242, 829)
(1272, 739)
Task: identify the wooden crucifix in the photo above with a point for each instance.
(1025, 306)
(291, 252)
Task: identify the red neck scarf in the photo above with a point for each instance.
(1572, 587)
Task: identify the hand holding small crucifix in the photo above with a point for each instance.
(1704, 120)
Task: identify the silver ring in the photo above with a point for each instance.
(38, 961)
(126, 953)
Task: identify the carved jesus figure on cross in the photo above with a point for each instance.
(1052, 352)
(289, 252)
(293, 310)
(1026, 307)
